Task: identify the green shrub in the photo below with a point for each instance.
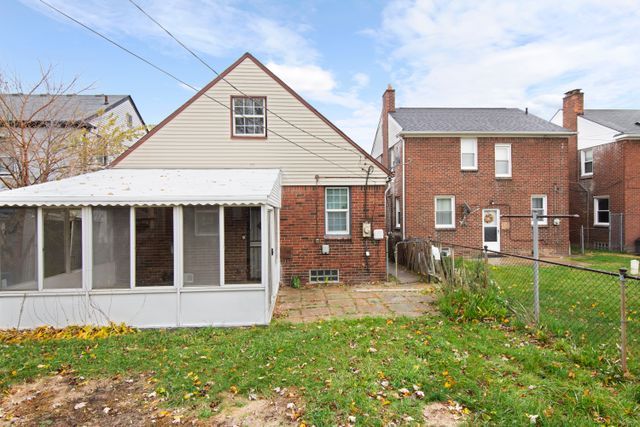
(464, 304)
(295, 282)
(469, 295)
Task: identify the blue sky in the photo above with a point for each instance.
(340, 55)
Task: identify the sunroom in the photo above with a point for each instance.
(147, 247)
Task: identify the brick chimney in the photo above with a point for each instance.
(388, 106)
(572, 107)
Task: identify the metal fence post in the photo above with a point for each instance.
(536, 270)
(623, 320)
(582, 239)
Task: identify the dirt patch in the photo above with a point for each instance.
(444, 414)
(65, 399)
(283, 410)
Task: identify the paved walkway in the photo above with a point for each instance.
(312, 303)
(404, 276)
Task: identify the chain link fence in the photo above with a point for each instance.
(608, 238)
(590, 307)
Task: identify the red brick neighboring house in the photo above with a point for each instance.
(604, 162)
(459, 171)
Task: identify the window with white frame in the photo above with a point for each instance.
(601, 210)
(539, 206)
(503, 160)
(586, 162)
(445, 212)
(469, 153)
(398, 213)
(337, 210)
(249, 118)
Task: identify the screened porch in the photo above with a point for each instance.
(174, 260)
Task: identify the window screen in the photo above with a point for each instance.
(18, 260)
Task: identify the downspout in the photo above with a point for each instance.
(404, 191)
(386, 246)
(366, 217)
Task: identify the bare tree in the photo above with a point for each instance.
(44, 136)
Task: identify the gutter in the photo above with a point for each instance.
(620, 136)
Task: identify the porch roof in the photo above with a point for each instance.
(146, 187)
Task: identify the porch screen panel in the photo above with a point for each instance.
(111, 248)
(18, 260)
(62, 235)
(201, 246)
(154, 246)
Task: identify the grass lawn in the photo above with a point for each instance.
(604, 260)
(582, 305)
(341, 368)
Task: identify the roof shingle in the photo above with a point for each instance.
(485, 120)
(62, 108)
(624, 121)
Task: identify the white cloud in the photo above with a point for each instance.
(214, 28)
(497, 53)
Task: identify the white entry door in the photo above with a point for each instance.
(491, 229)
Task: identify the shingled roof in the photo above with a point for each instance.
(64, 108)
(480, 120)
(624, 121)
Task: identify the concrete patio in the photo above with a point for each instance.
(318, 302)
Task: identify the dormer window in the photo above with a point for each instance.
(248, 115)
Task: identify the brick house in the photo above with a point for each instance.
(243, 187)
(459, 171)
(605, 182)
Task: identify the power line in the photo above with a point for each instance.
(167, 73)
(195, 55)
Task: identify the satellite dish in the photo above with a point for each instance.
(466, 209)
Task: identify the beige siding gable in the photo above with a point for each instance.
(199, 136)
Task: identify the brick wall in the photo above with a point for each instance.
(236, 245)
(607, 180)
(539, 166)
(154, 246)
(302, 234)
(632, 192)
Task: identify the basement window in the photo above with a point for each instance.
(249, 118)
(324, 276)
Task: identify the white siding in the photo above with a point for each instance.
(394, 130)
(592, 134)
(199, 137)
(376, 149)
(120, 113)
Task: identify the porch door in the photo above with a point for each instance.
(255, 243)
(491, 229)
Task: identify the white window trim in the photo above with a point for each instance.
(475, 154)
(451, 226)
(398, 213)
(595, 211)
(347, 210)
(541, 221)
(508, 147)
(263, 116)
(583, 161)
